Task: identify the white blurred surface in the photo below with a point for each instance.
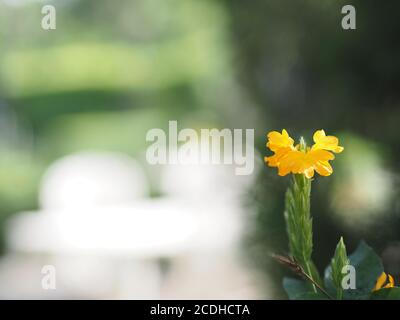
(107, 239)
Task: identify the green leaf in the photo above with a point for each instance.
(386, 294)
(339, 261)
(296, 288)
(368, 267)
(329, 285)
(315, 274)
(301, 290)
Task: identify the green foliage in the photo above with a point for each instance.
(301, 290)
(299, 223)
(368, 267)
(295, 288)
(366, 264)
(298, 220)
(386, 294)
(339, 261)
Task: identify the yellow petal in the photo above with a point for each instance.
(309, 172)
(271, 161)
(391, 282)
(291, 161)
(319, 155)
(318, 135)
(278, 140)
(323, 168)
(274, 160)
(338, 149)
(322, 141)
(379, 283)
(282, 171)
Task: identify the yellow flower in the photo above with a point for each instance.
(324, 142)
(277, 141)
(290, 159)
(382, 280)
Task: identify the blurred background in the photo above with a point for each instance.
(76, 103)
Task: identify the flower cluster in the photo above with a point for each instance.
(294, 159)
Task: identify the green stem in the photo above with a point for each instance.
(299, 222)
(316, 285)
(307, 265)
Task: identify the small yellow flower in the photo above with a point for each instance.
(325, 142)
(277, 141)
(382, 280)
(289, 159)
